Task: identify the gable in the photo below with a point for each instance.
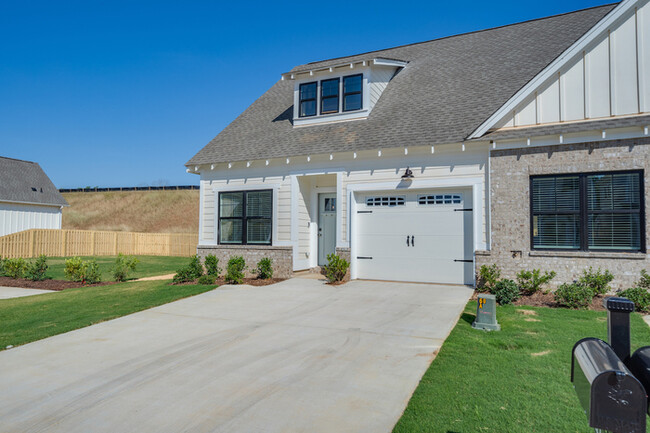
(605, 74)
(26, 182)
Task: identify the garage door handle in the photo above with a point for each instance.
(407, 241)
(412, 241)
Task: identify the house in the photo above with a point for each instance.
(525, 145)
(28, 198)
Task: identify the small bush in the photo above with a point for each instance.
(574, 295)
(123, 265)
(506, 291)
(598, 281)
(235, 270)
(640, 297)
(85, 272)
(265, 269)
(14, 268)
(37, 270)
(195, 266)
(488, 277)
(2, 267)
(212, 265)
(207, 280)
(531, 282)
(336, 268)
(183, 275)
(644, 282)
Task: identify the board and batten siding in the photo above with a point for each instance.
(611, 77)
(16, 217)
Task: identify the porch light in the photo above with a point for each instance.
(408, 174)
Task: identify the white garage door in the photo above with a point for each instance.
(423, 236)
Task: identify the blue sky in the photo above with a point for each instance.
(123, 93)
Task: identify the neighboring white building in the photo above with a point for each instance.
(515, 137)
(28, 198)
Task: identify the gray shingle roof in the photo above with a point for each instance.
(567, 128)
(25, 181)
(449, 87)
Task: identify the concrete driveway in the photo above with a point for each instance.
(298, 356)
(17, 292)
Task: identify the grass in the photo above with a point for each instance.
(135, 211)
(148, 266)
(32, 318)
(515, 380)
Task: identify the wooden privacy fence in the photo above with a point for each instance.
(61, 243)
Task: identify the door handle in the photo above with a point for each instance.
(407, 241)
(412, 241)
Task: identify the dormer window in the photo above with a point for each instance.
(308, 99)
(329, 96)
(352, 92)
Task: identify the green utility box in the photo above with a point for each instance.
(486, 313)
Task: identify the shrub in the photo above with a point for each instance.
(2, 267)
(531, 282)
(336, 268)
(36, 271)
(183, 275)
(212, 265)
(574, 295)
(265, 269)
(123, 265)
(488, 277)
(598, 281)
(506, 291)
(86, 272)
(14, 268)
(195, 266)
(644, 282)
(207, 280)
(639, 295)
(235, 270)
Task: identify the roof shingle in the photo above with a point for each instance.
(26, 182)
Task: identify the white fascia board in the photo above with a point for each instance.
(35, 204)
(389, 62)
(554, 67)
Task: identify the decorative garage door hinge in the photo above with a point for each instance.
(463, 210)
(462, 260)
(364, 257)
(364, 211)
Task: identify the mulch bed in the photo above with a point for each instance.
(56, 285)
(249, 281)
(540, 299)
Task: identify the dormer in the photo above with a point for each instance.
(341, 91)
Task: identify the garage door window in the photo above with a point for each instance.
(440, 199)
(245, 217)
(385, 201)
(588, 212)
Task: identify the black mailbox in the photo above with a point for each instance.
(612, 397)
(640, 367)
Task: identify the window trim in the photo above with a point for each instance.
(300, 100)
(323, 98)
(344, 94)
(243, 218)
(583, 213)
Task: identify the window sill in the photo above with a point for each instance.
(589, 254)
(331, 118)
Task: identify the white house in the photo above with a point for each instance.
(525, 145)
(28, 198)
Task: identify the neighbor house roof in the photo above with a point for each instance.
(449, 87)
(26, 182)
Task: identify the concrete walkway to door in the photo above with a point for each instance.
(297, 356)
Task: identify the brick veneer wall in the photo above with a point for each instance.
(510, 172)
(282, 257)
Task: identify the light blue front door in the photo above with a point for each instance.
(326, 226)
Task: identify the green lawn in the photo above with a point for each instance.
(31, 318)
(149, 266)
(515, 380)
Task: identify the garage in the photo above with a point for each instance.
(419, 236)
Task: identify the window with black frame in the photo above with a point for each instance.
(588, 212)
(329, 96)
(307, 95)
(245, 217)
(353, 92)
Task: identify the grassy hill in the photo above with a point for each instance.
(134, 211)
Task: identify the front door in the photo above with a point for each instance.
(326, 226)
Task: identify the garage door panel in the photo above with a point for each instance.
(442, 233)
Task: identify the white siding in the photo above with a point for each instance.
(304, 217)
(16, 217)
(379, 78)
(611, 77)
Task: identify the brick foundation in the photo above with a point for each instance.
(282, 257)
(510, 172)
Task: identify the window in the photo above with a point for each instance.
(385, 201)
(307, 95)
(588, 212)
(329, 96)
(440, 199)
(352, 92)
(245, 217)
